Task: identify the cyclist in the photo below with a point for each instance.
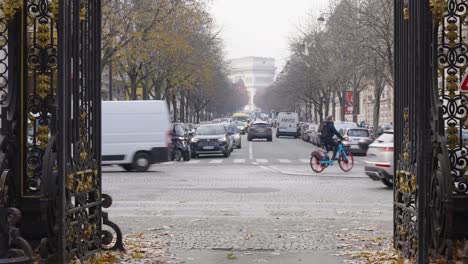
(327, 132)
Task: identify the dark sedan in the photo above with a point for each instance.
(212, 139)
(260, 129)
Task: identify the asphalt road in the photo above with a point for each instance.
(263, 204)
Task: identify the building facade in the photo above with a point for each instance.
(255, 72)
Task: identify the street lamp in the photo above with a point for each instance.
(321, 18)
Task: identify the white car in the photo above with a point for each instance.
(379, 162)
(352, 136)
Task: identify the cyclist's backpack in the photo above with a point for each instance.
(324, 130)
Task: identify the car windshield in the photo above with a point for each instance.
(385, 138)
(211, 130)
(358, 133)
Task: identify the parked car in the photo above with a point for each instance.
(135, 134)
(314, 135)
(308, 133)
(260, 129)
(236, 135)
(304, 128)
(379, 162)
(212, 139)
(352, 136)
(240, 125)
(287, 124)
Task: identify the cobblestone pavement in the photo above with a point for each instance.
(272, 212)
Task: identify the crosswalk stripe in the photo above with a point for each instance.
(169, 163)
(193, 162)
(262, 160)
(216, 161)
(284, 160)
(304, 160)
(239, 161)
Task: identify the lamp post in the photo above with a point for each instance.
(321, 18)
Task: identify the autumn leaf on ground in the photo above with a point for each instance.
(231, 256)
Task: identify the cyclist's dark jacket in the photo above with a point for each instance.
(327, 139)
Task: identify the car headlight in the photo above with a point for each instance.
(223, 139)
(194, 140)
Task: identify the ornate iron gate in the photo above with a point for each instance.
(50, 132)
(431, 150)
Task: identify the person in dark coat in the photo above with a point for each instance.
(327, 132)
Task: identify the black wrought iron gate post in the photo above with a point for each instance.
(431, 113)
(50, 98)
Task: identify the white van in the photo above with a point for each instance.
(287, 124)
(135, 134)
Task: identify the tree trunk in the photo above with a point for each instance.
(376, 113)
(133, 85)
(182, 107)
(315, 115)
(320, 112)
(342, 109)
(355, 104)
(111, 84)
(174, 108)
(145, 86)
(334, 105)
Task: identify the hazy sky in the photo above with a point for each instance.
(262, 27)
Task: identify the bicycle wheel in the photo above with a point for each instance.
(315, 164)
(346, 165)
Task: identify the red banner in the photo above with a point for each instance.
(348, 103)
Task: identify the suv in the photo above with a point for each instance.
(352, 136)
(212, 139)
(260, 129)
(379, 163)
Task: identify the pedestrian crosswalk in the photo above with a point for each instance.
(238, 161)
(211, 161)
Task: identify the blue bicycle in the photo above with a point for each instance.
(319, 160)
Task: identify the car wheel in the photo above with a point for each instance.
(249, 138)
(127, 167)
(194, 155)
(186, 155)
(227, 154)
(388, 183)
(141, 162)
(270, 139)
(277, 135)
(240, 145)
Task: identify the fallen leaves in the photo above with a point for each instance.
(231, 256)
(139, 249)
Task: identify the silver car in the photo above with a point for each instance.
(379, 162)
(352, 136)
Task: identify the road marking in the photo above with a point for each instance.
(250, 151)
(193, 162)
(284, 160)
(265, 168)
(304, 160)
(216, 161)
(169, 163)
(254, 163)
(262, 160)
(239, 161)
